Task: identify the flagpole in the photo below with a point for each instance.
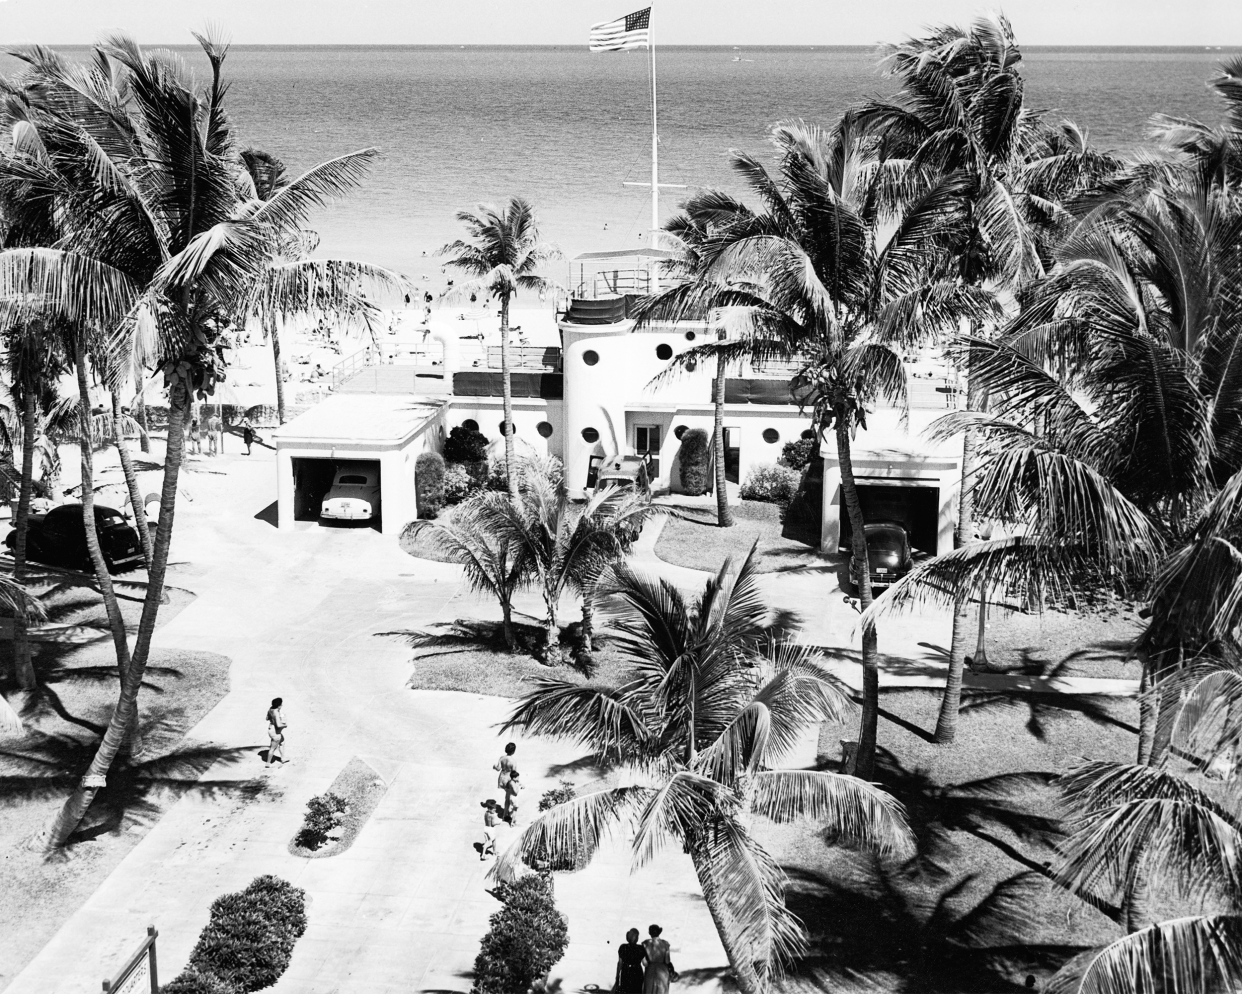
(655, 154)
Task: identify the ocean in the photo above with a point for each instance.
(565, 128)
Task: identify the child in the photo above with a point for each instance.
(511, 791)
(490, 821)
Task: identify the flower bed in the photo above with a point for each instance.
(334, 818)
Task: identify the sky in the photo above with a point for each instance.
(565, 22)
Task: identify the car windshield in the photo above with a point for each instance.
(888, 540)
(351, 479)
(616, 481)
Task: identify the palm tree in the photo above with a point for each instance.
(565, 547)
(503, 255)
(1213, 152)
(834, 277)
(714, 705)
(293, 283)
(960, 109)
(493, 560)
(159, 250)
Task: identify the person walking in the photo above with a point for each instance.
(247, 434)
(504, 765)
(196, 444)
(276, 732)
(512, 786)
(659, 969)
(630, 957)
(491, 819)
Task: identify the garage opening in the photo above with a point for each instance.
(915, 508)
(350, 486)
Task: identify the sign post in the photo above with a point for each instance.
(138, 975)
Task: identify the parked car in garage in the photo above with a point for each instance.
(889, 555)
(355, 493)
(58, 538)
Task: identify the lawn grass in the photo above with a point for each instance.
(693, 539)
(64, 718)
(985, 813)
(362, 789)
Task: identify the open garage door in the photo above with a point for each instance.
(915, 508)
(313, 481)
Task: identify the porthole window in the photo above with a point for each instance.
(590, 435)
(664, 351)
(590, 357)
(679, 431)
(544, 428)
(807, 433)
(501, 428)
(690, 336)
(771, 436)
(470, 424)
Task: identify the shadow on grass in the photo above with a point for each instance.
(469, 635)
(139, 788)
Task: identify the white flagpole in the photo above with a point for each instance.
(655, 155)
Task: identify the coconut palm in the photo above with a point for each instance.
(566, 547)
(160, 247)
(492, 558)
(502, 256)
(1135, 827)
(833, 275)
(714, 705)
(294, 284)
(960, 109)
(1215, 152)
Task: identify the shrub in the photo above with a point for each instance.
(465, 445)
(249, 940)
(771, 484)
(797, 455)
(526, 938)
(562, 792)
(429, 484)
(322, 816)
(694, 462)
(192, 981)
(459, 483)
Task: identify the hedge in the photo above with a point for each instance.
(248, 942)
(465, 445)
(694, 462)
(429, 484)
(798, 453)
(526, 938)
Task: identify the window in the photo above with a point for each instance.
(470, 424)
(590, 357)
(544, 428)
(501, 428)
(647, 444)
(593, 471)
(664, 351)
(590, 435)
(690, 336)
(771, 436)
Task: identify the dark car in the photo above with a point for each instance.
(888, 553)
(58, 538)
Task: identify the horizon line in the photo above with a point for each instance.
(860, 46)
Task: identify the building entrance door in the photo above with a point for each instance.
(647, 445)
(733, 454)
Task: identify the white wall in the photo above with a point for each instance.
(488, 412)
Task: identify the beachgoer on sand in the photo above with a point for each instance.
(196, 444)
(504, 765)
(512, 786)
(491, 819)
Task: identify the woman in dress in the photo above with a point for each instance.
(630, 965)
(659, 970)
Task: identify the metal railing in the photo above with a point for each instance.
(350, 365)
(527, 357)
(612, 283)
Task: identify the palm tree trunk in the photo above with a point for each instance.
(864, 763)
(280, 380)
(23, 665)
(140, 414)
(131, 481)
(951, 702)
(507, 394)
(79, 801)
(980, 660)
(748, 979)
(506, 611)
(588, 617)
(724, 517)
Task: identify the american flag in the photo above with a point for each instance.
(631, 31)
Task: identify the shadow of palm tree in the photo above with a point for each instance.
(470, 634)
(138, 789)
(900, 935)
(1041, 706)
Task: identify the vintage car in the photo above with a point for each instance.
(58, 538)
(889, 555)
(355, 493)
